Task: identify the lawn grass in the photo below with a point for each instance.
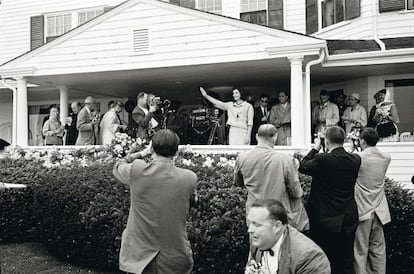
(22, 258)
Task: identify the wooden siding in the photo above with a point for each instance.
(177, 38)
(15, 20)
(395, 24)
(295, 15)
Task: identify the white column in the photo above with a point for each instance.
(297, 100)
(14, 123)
(63, 101)
(307, 113)
(22, 113)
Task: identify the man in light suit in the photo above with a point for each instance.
(280, 117)
(332, 211)
(277, 247)
(268, 174)
(87, 123)
(155, 239)
(369, 250)
(326, 114)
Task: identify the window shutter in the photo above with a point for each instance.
(184, 3)
(275, 14)
(352, 9)
(311, 16)
(391, 5)
(37, 31)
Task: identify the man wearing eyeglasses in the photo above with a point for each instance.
(261, 116)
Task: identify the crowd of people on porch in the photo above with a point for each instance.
(86, 126)
(338, 231)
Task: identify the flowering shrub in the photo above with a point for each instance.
(76, 207)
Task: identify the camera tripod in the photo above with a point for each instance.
(213, 132)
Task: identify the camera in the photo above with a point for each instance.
(156, 101)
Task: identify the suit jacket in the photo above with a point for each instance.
(156, 228)
(329, 113)
(86, 129)
(257, 122)
(142, 122)
(268, 174)
(298, 255)
(369, 188)
(331, 205)
(72, 131)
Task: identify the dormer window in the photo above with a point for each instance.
(213, 6)
(395, 5)
(58, 24)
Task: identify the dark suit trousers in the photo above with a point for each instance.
(338, 246)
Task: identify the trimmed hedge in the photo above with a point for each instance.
(80, 213)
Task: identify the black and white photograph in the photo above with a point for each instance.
(207, 136)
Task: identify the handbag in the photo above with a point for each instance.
(386, 129)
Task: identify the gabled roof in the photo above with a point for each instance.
(299, 39)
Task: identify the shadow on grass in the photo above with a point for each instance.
(22, 258)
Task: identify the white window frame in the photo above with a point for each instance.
(214, 10)
(58, 14)
(406, 6)
(320, 18)
(253, 5)
(74, 18)
(97, 11)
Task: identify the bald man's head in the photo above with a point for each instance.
(267, 133)
(90, 103)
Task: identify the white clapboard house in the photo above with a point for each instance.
(57, 51)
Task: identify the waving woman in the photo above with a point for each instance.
(240, 117)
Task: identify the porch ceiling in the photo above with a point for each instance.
(168, 82)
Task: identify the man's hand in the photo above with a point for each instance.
(318, 143)
(247, 139)
(253, 268)
(147, 151)
(203, 92)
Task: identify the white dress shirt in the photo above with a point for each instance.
(271, 263)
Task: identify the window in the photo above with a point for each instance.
(395, 5)
(85, 16)
(58, 24)
(332, 12)
(253, 5)
(256, 17)
(213, 6)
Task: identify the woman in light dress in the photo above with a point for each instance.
(111, 124)
(53, 130)
(240, 117)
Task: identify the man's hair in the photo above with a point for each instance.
(165, 143)
(277, 211)
(267, 131)
(335, 135)
(370, 136)
(283, 91)
(89, 99)
(77, 103)
(264, 95)
(141, 94)
(324, 92)
(118, 104)
(111, 104)
(53, 107)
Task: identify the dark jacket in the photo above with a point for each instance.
(331, 203)
(142, 123)
(71, 130)
(257, 122)
(298, 255)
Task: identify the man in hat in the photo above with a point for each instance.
(354, 115)
(326, 114)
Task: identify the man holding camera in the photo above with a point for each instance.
(143, 115)
(332, 210)
(369, 249)
(88, 123)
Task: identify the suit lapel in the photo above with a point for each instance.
(284, 258)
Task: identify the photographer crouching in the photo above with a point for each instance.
(144, 116)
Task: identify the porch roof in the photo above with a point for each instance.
(144, 34)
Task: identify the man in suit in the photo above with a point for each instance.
(369, 250)
(260, 117)
(326, 114)
(143, 115)
(332, 211)
(155, 240)
(71, 128)
(87, 123)
(268, 174)
(277, 247)
(280, 117)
